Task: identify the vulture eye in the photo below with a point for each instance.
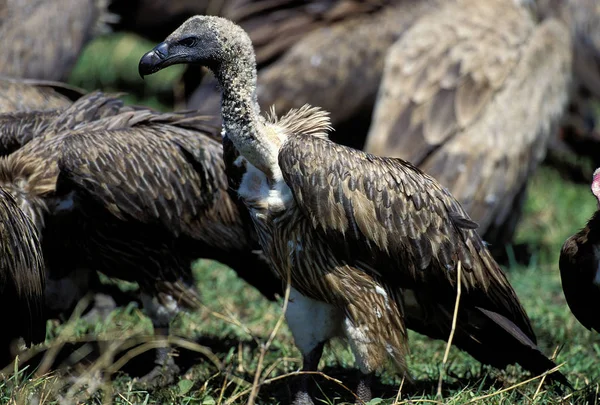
(188, 42)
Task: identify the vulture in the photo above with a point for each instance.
(580, 268)
(136, 195)
(471, 94)
(21, 278)
(42, 39)
(356, 235)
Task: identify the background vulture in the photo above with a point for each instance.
(42, 39)
(471, 94)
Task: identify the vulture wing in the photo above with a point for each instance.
(16, 129)
(21, 275)
(386, 217)
(470, 94)
(157, 174)
(91, 107)
(28, 95)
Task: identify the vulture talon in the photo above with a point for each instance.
(164, 373)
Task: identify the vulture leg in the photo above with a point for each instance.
(162, 309)
(312, 324)
(63, 292)
(310, 362)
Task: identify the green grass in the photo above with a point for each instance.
(236, 321)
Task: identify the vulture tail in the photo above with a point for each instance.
(21, 278)
(489, 337)
(521, 348)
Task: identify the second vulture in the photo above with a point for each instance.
(136, 195)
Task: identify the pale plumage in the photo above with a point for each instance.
(42, 39)
(351, 230)
(471, 94)
(579, 128)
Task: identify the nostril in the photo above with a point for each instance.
(162, 49)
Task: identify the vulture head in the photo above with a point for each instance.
(202, 40)
(596, 185)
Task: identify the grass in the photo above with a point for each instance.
(227, 336)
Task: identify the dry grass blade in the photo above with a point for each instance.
(263, 350)
(515, 386)
(539, 387)
(399, 394)
(63, 337)
(451, 337)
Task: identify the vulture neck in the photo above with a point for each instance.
(242, 121)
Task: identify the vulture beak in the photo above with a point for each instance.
(154, 60)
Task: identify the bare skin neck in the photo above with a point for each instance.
(242, 121)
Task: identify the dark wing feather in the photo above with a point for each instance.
(21, 275)
(470, 94)
(16, 129)
(145, 173)
(90, 107)
(386, 216)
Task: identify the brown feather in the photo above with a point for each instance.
(30, 95)
(21, 277)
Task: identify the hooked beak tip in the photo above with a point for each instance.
(153, 60)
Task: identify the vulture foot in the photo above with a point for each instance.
(304, 381)
(164, 373)
(103, 305)
(302, 398)
(363, 390)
